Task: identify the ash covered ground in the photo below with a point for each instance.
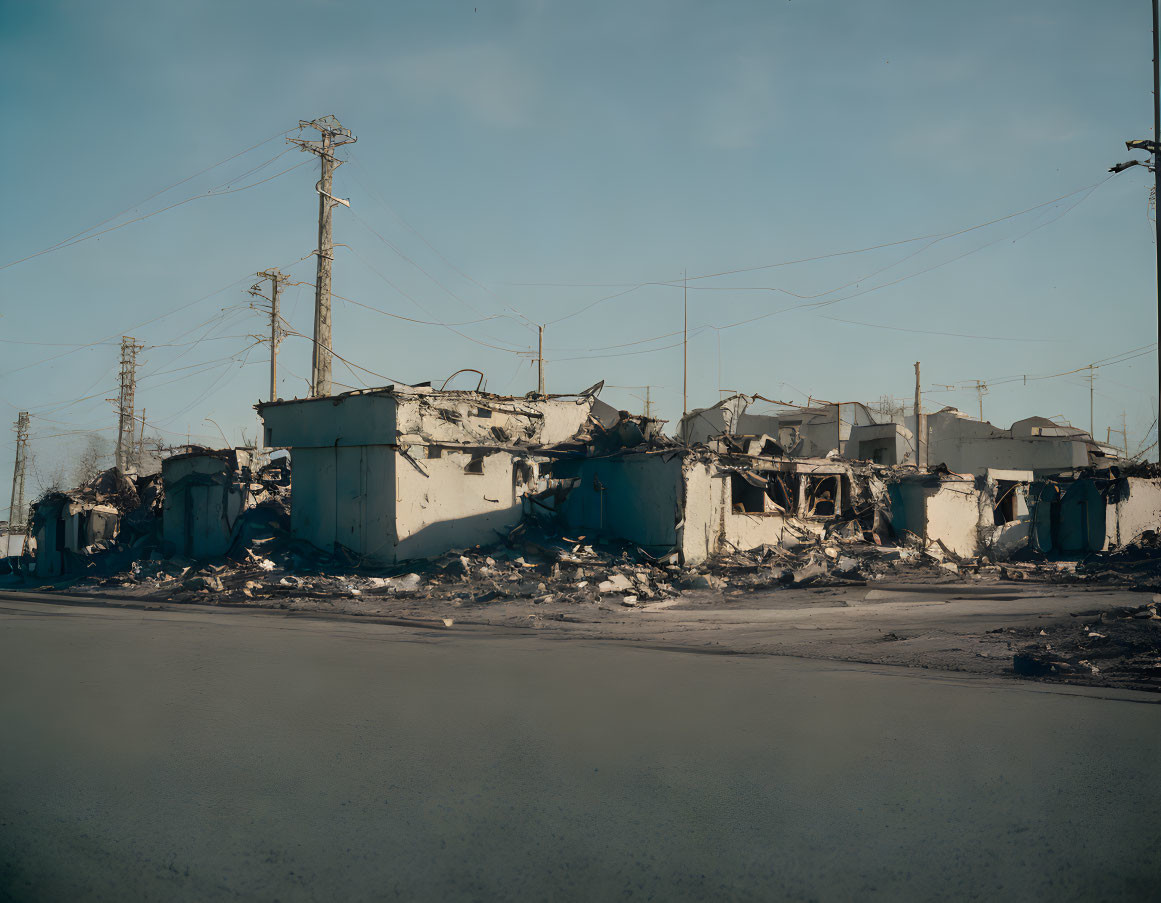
(1091, 622)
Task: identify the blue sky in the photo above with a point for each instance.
(595, 147)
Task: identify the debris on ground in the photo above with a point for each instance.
(1121, 645)
(265, 566)
(1136, 564)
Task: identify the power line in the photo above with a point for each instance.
(390, 379)
(958, 335)
(170, 188)
(932, 239)
(138, 219)
(407, 259)
(136, 326)
(939, 236)
(378, 197)
(450, 328)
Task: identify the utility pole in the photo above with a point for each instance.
(685, 345)
(126, 422)
(277, 279)
(540, 361)
(919, 459)
(648, 403)
(1091, 420)
(981, 388)
(333, 136)
(16, 502)
(1152, 147)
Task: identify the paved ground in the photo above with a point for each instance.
(220, 755)
(952, 626)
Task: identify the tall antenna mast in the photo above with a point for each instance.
(126, 421)
(16, 503)
(333, 135)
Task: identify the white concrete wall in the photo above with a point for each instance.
(11, 544)
(702, 524)
(318, 422)
(953, 517)
(450, 508)
(409, 417)
(709, 510)
(971, 446)
(701, 425)
(346, 496)
(949, 512)
(101, 523)
(1138, 510)
(538, 422)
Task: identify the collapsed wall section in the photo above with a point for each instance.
(636, 497)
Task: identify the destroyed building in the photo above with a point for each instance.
(70, 525)
(206, 491)
(1093, 510)
(964, 516)
(1036, 444)
(400, 473)
(405, 472)
(805, 432)
(951, 437)
(734, 494)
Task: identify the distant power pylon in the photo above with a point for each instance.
(16, 502)
(126, 421)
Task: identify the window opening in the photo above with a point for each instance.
(782, 488)
(1004, 510)
(746, 498)
(821, 495)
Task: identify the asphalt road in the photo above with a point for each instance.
(210, 755)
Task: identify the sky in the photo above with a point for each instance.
(566, 164)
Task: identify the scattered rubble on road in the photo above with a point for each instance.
(270, 568)
(1123, 644)
(1137, 564)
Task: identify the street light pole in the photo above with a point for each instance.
(1157, 191)
(1152, 147)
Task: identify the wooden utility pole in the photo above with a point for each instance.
(333, 136)
(1091, 419)
(540, 361)
(16, 501)
(685, 345)
(919, 457)
(126, 421)
(1157, 186)
(981, 388)
(648, 403)
(277, 279)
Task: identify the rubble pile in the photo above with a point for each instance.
(812, 560)
(1137, 564)
(533, 564)
(528, 567)
(1122, 645)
